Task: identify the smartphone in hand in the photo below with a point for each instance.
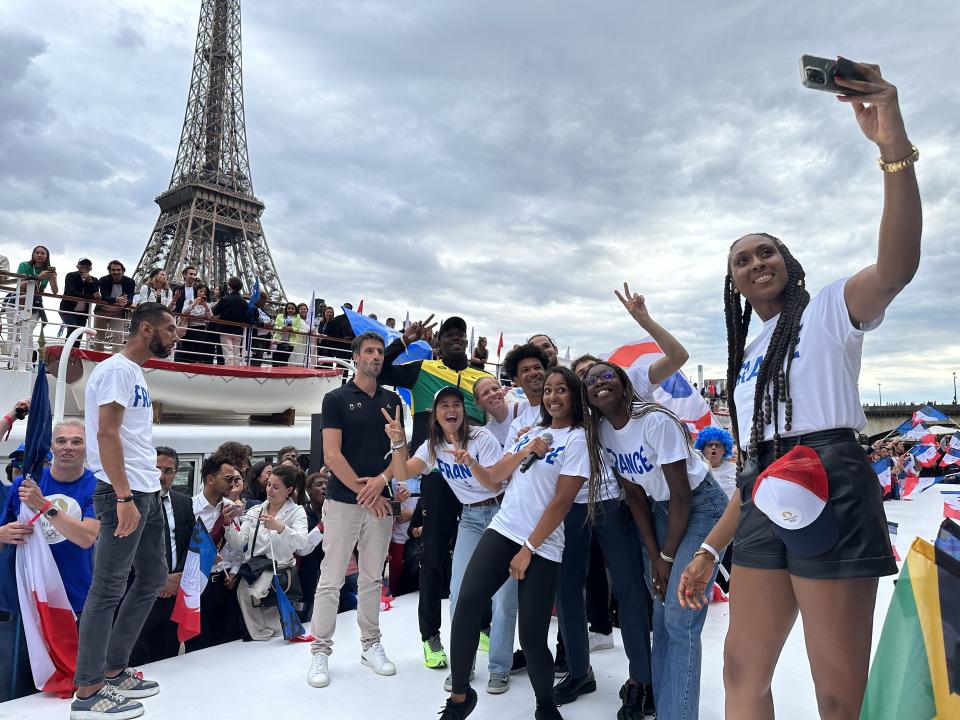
(818, 73)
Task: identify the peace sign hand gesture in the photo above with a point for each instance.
(416, 330)
(635, 304)
(394, 428)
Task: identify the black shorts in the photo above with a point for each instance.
(863, 549)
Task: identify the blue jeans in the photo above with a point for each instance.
(473, 521)
(676, 630)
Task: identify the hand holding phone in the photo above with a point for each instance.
(819, 73)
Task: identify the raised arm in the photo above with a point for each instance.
(674, 354)
(870, 291)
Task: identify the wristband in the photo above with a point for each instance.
(9, 419)
(397, 447)
(531, 548)
(384, 478)
(666, 558)
(46, 506)
(128, 498)
(712, 550)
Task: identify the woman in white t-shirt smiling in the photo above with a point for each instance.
(448, 432)
(794, 388)
(524, 541)
(652, 450)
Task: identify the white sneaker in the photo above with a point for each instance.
(599, 641)
(375, 658)
(318, 675)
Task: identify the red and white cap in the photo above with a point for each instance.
(794, 492)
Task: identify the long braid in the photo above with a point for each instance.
(738, 319)
(773, 378)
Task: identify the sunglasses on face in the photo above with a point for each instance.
(234, 479)
(168, 471)
(605, 375)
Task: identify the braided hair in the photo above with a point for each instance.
(637, 408)
(773, 379)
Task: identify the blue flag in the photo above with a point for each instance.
(252, 302)
(289, 620)
(39, 427)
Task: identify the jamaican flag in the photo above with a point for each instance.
(916, 671)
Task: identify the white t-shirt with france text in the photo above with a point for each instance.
(481, 445)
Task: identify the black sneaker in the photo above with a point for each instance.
(519, 662)
(460, 710)
(649, 707)
(547, 712)
(560, 667)
(632, 697)
(570, 688)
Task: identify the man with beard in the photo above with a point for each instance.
(439, 505)
(120, 452)
(545, 343)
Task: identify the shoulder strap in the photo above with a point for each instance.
(256, 530)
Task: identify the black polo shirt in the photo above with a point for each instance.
(364, 443)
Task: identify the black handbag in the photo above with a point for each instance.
(289, 577)
(253, 568)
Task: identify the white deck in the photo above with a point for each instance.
(257, 680)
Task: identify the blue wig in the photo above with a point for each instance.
(711, 434)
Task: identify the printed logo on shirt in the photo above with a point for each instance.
(550, 458)
(65, 505)
(141, 396)
(751, 368)
(634, 463)
(454, 471)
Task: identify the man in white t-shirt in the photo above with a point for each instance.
(527, 366)
(120, 453)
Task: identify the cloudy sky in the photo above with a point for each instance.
(513, 162)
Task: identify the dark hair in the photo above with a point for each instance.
(435, 435)
(549, 339)
(303, 305)
(45, 264)
(360, 339)
(116, 262)
(288, 304)
(198, 287)
(189, 267)
(292, 478)
(574, 386)
(773, 387)
(511, 362)
(169, 452)
(212, 464)
(155, 272)
(284, 450)
(638, 408)
(583, 359)
(253, 489)
(149, 312)
(237, 454)
(235, 284)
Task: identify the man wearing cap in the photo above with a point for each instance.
(79, 289)
(440, 506)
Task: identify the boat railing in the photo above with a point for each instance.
(28, 328)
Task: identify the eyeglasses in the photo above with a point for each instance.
(234, 479)
(168, 471)
(605, 375)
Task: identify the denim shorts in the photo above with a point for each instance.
(863, 548)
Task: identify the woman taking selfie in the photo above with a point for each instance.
(793, 391)
(448, 432)
(546, 468)
(652, 450)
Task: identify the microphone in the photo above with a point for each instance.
(530, 459)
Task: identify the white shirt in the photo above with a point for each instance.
(726, 477)
(281, 546)
(639, 375)
(500, 429)
(640, 448)
(824, 373)
(203, 510)
(120, 380)
(529, 493)
(527, 416)
(400, 528)
(481, 445)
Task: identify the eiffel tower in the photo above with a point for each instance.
(209, 216)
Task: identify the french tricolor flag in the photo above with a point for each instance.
(926, 455)
(196, 574)
(674, 393)
(951, 504)
(951, 457)
(49, 625)
(882, 468)
(928, 414)
(920, 433)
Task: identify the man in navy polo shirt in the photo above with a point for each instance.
(64, 497)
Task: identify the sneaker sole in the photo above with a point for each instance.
(498, 689)
(364, 661)
(584, 690)
(94, 715)
(439, 665)
(318, 683)
(604, 646)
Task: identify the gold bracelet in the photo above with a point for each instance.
(898, 165)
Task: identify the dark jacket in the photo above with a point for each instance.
(106, 289)
(232, 307)
(74, 284)
(184, 519)
(344, 327)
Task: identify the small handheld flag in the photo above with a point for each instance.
(196, 574)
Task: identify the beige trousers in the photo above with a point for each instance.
(109, 333)
(346, 527)
(262, 623)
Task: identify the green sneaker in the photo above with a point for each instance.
(433, 654)
(484, 642)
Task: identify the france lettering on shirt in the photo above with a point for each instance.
(141, 396)
(453, 471)
(751, 368)
(634, 463)
(550, 458)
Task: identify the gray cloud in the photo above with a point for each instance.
(510, 162)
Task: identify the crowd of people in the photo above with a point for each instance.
(528, 497)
